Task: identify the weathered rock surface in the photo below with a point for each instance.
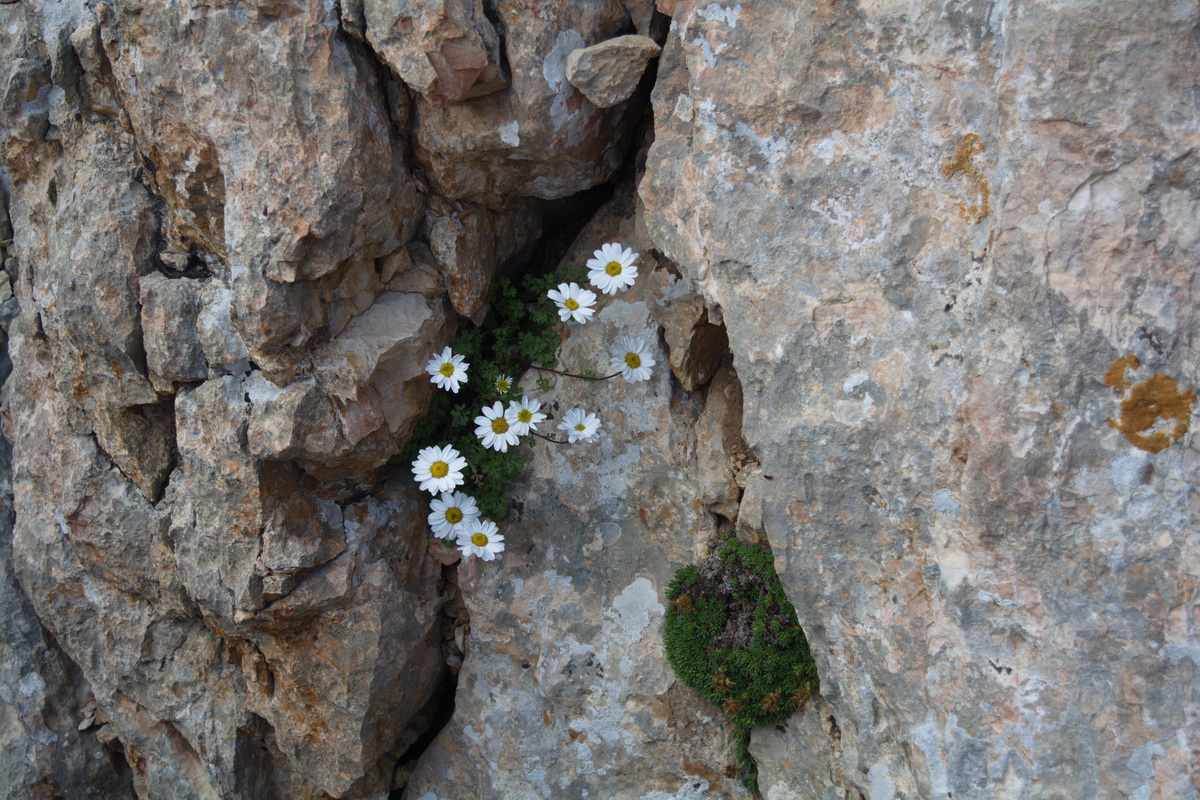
(922, 233)
(607, 73)
(471, 243)
(248, 631)
(274, 152)
(929, 233)
(565, 691)
(446, 50)
(48, 719)
(540, 137)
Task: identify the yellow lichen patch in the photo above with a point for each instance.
(1114, 376)
(1157, 397)
(962, 161)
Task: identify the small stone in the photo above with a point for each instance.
(607, 73)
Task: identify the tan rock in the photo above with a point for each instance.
(447, 50)
(566, 626)
(471, 244)
(538, 138)
(607, 73)
(283, 191)
(696, 346)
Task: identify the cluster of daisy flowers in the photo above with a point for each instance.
(454, 515)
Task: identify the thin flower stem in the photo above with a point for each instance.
(573, 375)
(547, 438)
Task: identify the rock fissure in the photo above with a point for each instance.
(231, 241)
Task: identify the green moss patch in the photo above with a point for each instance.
(732, 635)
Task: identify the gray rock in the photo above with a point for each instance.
(607, 73)
(921, 320)
(224, 349)
(800, 758)
(170, 308)
(44, 700)
(285, 174)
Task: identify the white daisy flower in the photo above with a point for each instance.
(523, 415)
(611, 269)
(573, 301)
(439, 469)
(480, 537)
(450, 513)
(579, 425)
(494, 430)
(503, 384)
(447, 370)
(632, 359)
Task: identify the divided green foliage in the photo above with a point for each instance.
(731, 634)
(519, 331)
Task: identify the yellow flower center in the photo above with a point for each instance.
(479, 539)
(499, 425)
(525, 415)
(439, 469)
(581, 427)
(446, 369)
(453, 516)
(613, 268)
(502, 386)
(571, 303)
(633, 360)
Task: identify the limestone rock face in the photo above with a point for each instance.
(275, 152)
(447, 51)
(540, 137)
(565, 691)
(929, 234)
(919, 279)
(230, 624)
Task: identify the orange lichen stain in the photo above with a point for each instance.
(962, 161)
(1157, 397)
(1114, 376)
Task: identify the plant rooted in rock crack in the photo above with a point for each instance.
(731, 634)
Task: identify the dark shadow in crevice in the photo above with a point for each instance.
(425, 726)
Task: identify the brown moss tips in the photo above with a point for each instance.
(1157, 397)
(962, 161)
(721, 683)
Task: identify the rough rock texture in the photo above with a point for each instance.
(928, 236)
(565, 691)
(248, 630)
(540, 137)
(447, 51)
(48, 719)
(607, 73)
(930, 229)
